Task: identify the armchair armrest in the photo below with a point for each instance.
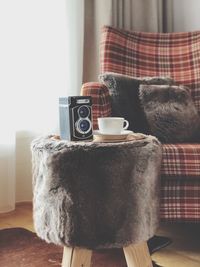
(100, 98)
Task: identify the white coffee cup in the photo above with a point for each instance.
(112, 125)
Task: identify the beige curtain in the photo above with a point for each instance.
(138, 15)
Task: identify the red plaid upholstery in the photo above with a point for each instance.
(100, 99)
(180, 199)
(181, 160)
(138, 54)
(155, 54)
(180, 183)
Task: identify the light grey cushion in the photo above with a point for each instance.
(170, 113)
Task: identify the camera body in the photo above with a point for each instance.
(75, 114)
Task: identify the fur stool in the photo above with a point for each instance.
(90, 195)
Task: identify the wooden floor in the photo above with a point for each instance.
(184, 252)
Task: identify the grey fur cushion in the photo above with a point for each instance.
(124, 92)
(96, 195)
(170, 112)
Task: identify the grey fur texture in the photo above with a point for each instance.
(124, 95)
(96, 195)
(170, 112)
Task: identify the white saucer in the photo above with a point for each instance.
(123, 135)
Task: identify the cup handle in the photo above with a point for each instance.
(126, 124)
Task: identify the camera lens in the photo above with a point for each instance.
(84, 126)
(83, 111)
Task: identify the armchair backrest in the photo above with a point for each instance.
(138, 54)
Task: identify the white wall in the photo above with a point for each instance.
(23, 167)
(186, 15)
(34, 72)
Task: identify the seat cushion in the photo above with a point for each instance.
(138, 54)
(181, 161)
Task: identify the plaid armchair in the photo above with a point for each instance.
(176, 55)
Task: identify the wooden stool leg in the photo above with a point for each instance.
(76, 257)
(138, 255)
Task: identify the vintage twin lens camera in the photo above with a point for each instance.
(75, 118)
